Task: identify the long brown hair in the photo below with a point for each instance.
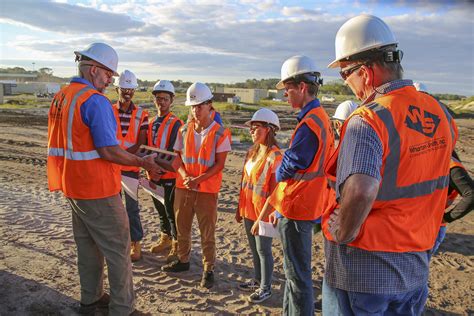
(270, 141)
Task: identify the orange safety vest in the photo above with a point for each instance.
(307, 194)
(417, 136)
(131, 138)
(196, 163)
(74, 165)
(160, 138)
(255, 187)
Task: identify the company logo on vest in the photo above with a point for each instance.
(423, 122)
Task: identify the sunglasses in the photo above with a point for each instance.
(129, 90)
(346, 73)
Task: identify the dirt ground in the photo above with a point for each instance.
(38, 273)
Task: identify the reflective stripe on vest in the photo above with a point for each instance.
(138, 118)
(320, 172)
(258, 188)
(201, 161)
(388, 187)
(70, 153)
(164, 135)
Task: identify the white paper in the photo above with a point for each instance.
(130, 185)
(267, 229)
(157, 191)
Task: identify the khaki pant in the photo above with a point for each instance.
(101, 230)
(204, 205)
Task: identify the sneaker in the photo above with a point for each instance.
(176, 266)
(101, 303)
(207, 280)
(259, 296)
(249, 286)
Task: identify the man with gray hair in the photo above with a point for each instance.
(392, 174)
(83, 158)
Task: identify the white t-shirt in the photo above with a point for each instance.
(250, 164)
(198, 137)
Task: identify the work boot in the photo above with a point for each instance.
(89, 309)
(135, 251)
(176, 266)
(163, 244)
(207, 280)
(173, 255)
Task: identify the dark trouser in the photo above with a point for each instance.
(347, 303)
(296, 236)
(133, 211)
(166, 212)
(261, 247)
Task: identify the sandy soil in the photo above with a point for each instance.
(38, 273)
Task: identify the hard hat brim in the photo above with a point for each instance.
(335, 63)
(81, 53)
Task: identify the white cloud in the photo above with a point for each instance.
(244, 39)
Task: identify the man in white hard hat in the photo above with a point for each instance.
(390, 184)
(302, 191)
(203, 145)
(343, 111)
(162, 133)
(83, 159)
(132, 130)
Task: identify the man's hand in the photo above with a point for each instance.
(156, 175)
(191, 183)
(149, 164)
(273, 218)
(334, 223)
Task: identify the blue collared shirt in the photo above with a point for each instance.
(98, 115)
(304, 147)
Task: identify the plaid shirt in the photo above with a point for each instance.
(354, 269)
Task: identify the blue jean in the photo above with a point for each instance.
(340, 302)
(133, 211)
(296, 239)
(438, 241)
(261, 247)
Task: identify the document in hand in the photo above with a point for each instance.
(157, 191)
(268, 230)
(130, 185)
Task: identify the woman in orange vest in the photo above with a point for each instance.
(258, 181)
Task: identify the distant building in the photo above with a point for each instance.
(222, 97)
(17, 78)
(245, 95)
(276, 94)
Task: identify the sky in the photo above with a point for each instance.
(231, 41)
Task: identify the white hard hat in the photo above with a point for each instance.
(101, 53)
(359, 34)
(267, 116)
(163, 86)
(297, 65)
(420, 87)
(345, 109)
(197, 93)
(127, 80)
